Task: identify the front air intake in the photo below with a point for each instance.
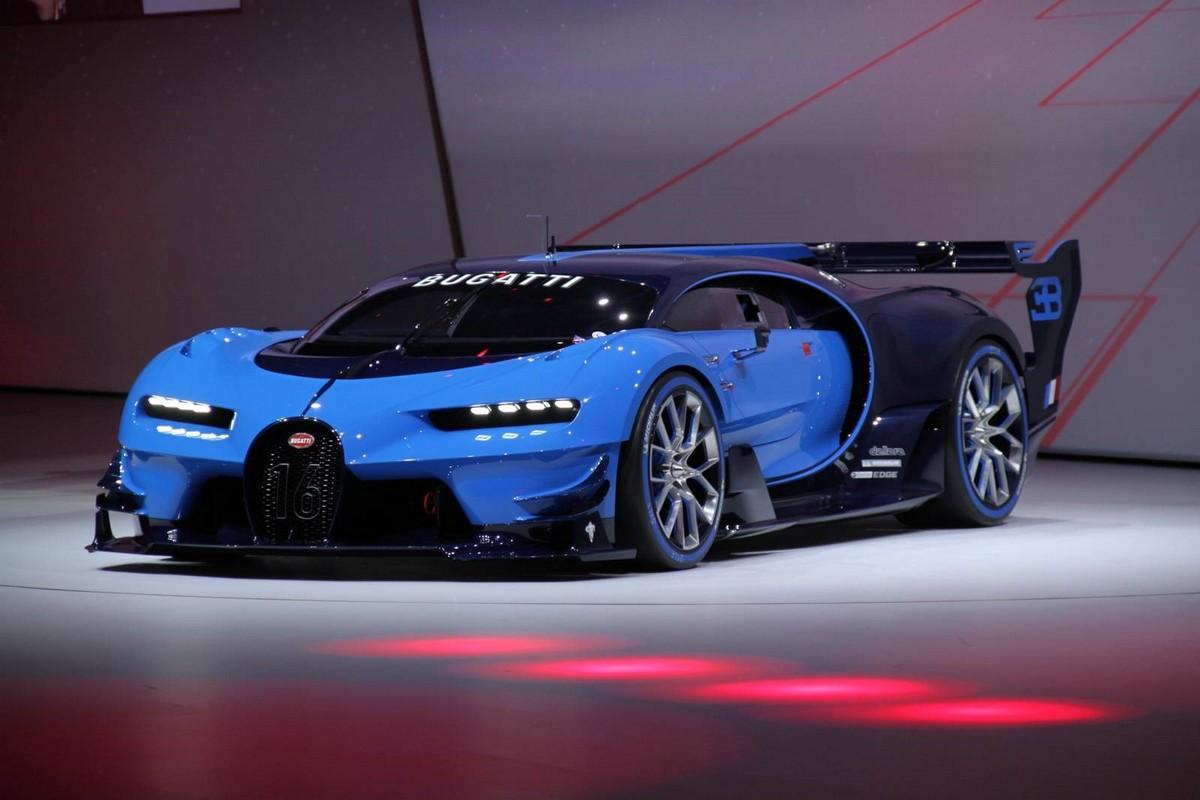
(293, 482)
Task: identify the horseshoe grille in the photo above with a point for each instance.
(292, 494)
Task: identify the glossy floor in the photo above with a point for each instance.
(1054, 656)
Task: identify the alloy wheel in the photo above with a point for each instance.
(992, 435)
(684, 469)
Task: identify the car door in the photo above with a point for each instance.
(768, 391)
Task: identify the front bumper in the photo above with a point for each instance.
(406, 516)
(578, 543)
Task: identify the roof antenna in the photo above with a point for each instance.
(549, 241)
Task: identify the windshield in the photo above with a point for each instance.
(450, 315)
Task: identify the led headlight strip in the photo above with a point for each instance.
(504, 415)
(176, 410)
(187, 433)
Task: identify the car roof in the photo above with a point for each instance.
(669, 269)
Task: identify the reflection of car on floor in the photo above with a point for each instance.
(598, 403)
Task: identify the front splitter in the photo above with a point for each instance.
(137, 545)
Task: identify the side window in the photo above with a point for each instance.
(812, 309)
(712, 308)
(773, 313)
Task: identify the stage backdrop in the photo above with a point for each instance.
(163, 176)
(681, 120)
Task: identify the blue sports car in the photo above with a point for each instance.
(599, 403)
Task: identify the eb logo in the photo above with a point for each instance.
(1045, 299)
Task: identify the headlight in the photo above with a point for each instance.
(504, 415)
(176, 410)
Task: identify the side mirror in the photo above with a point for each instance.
(762, 337)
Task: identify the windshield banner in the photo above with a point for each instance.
(507, 278)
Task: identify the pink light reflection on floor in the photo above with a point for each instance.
(856, 700)
(982, 712)
(649, 668)
(470, 646)
(823, 690)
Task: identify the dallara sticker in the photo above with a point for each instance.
(539, 279)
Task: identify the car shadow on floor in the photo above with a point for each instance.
(800, 537)
(378, 568)
(408, 568)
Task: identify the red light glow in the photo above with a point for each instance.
(620, 668)
(984, 712)
(254, 739)
(483, 646)
(820, 689)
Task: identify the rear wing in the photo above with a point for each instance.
(1050, 298)
(964, 257)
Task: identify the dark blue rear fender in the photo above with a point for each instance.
(920, 337)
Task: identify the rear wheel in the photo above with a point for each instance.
(985, 445)
(671, 484)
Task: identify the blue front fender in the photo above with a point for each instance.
(384, 422)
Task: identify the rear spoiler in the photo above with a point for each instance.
(1050, 299)
(964, 257)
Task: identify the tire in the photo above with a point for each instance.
(986, 445)
(671, 479)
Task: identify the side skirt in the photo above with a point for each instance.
(744, 531)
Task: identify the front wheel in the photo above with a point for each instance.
(985, 445)
(671, 483)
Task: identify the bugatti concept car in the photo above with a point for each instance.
(599, 403)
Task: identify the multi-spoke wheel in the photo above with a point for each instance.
(683, 460)
(672, 475)
(991, 411)
(985, 445)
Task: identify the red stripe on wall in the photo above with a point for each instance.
(1089, 383)
(741, 140)
(1046, 11)
(1126, 13)
(1158, 273)
(1116, 174)
(1103, 357)
(1117, 102)
(1049, 242)
(1069, 392)
(1079, 73)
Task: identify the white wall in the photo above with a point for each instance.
(580, 109)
